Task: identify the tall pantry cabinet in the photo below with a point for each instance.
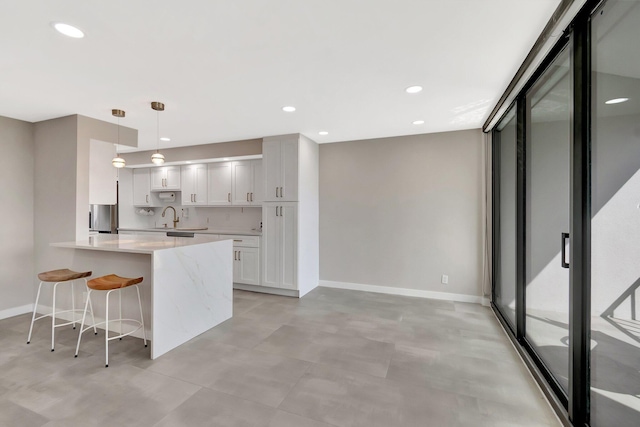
(290, 212)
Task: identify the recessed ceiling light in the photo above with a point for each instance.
(188, 162)
(413, 89)
(323, 132)
(68, 30)
(164, 138)
(418, 122)
(616, 101)
(225, 158)
(289, 109)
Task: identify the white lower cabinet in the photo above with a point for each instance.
(279, 245)
(246, 259)
(246, 266)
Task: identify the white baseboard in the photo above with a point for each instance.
(403, 292)
(16, 311)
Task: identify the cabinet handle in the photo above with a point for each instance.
(252, 197)
(281, 192)
(239, 259)
(247, 197)
(277, 211)
(147, 197)
(229, 197)
(276, 191)
(235, 255)
(237, 240)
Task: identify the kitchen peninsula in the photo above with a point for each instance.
(187, 287)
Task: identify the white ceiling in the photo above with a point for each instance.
(224, 69)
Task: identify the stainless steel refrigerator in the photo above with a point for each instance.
(103, 218)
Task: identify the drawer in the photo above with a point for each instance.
(243, 241)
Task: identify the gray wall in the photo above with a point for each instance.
(399, 212)
(16, 227)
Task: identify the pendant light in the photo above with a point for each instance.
(118, 161)
(156, 157)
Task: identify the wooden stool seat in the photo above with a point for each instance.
(112, 281)
(62, 275)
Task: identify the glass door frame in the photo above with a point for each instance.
(574, 407)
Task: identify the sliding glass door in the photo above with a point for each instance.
(547, 212)
(615, 215)
(505, 147)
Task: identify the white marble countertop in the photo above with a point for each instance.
(140, 244)
(243, 232)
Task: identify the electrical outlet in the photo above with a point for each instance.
(445, 279)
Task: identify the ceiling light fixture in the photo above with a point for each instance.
(413, 89)
(118, 162)
(289, 109)
(616, 101)
(418, 122)
(323, 133)
(68, 30)
(157, 158)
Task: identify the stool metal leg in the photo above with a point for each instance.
(144, 335)
(35, 307)
(120, 311)
(84, 315)
(106, 332)
(53, 316)
(73, 304)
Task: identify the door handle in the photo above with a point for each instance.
(563, 261)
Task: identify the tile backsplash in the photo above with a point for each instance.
(223, 217)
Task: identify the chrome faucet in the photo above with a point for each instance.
(176, 220)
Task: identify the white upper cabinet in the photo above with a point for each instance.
(219, 193)
(280, 163)
(141, 187)
(246, 180)
(194, 183)
(165, 178)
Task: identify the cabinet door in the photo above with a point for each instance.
(271, 169)
(289, 171)
(288, 218)
(219, 184)
(201, 184)
(241, 183)
(258, 183)
(270, 245)
(141, 187)
(188, 185)
(172, 178)
(248, 263)
(157, 178)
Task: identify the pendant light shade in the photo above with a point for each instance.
(157, 158)
(118, 162)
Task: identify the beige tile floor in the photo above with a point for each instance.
(332, 358)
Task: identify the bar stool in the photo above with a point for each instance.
(112, 283)
(57, 277)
